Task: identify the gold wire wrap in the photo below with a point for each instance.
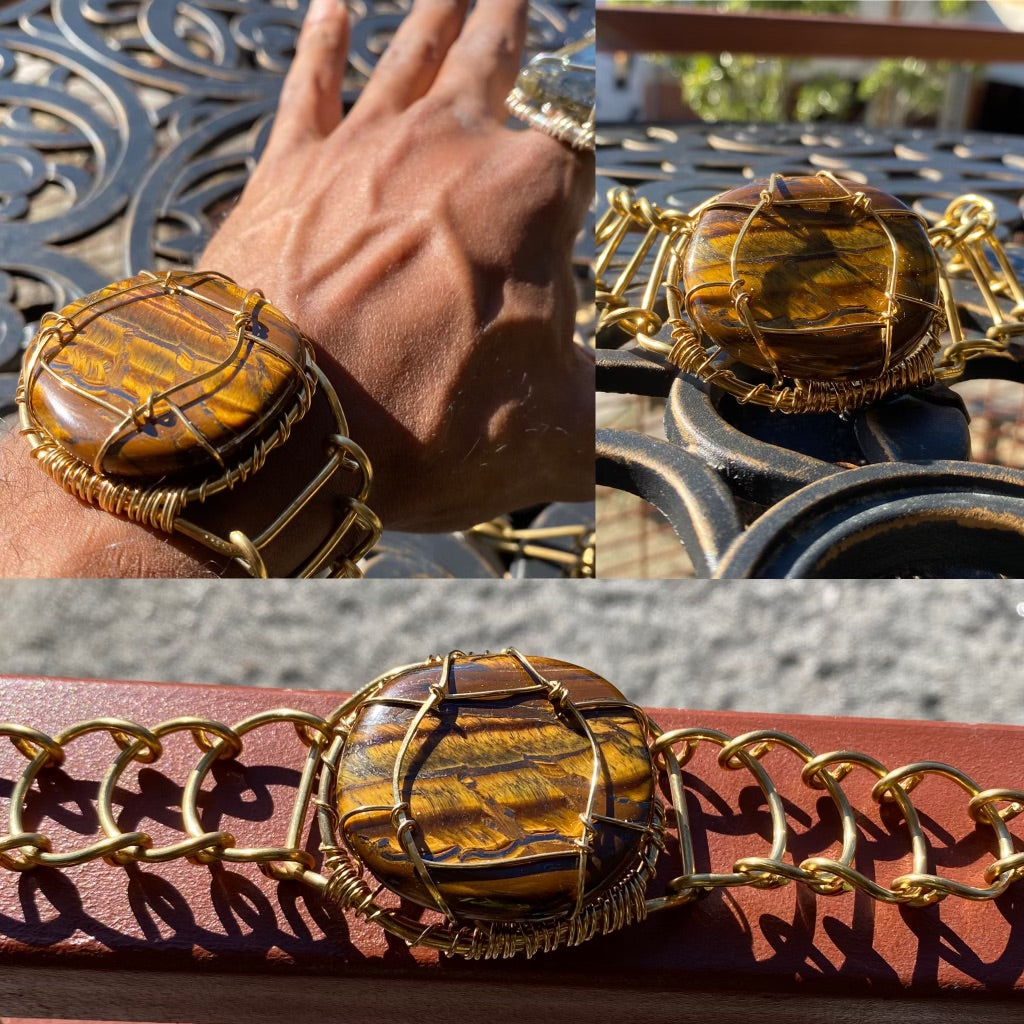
(594, 913)
(161, 507)
(562, 127)
(966, 231)
(542, 108)
(534, 542)
(343, 885)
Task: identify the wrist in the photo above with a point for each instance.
(47, 532)
(362, 372)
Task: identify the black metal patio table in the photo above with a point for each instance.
(127, 131)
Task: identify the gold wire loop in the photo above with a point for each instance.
(29, 844)
(1011, 868)
(292, 849)
(200, 730)
(984, 804)
(31, 743)
(127, 735)
(685, 886)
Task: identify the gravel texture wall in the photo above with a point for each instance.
(949, 650)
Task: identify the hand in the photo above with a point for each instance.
(425, 248)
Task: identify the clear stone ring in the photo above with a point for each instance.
(555, 93)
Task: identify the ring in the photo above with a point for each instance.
(554, 93)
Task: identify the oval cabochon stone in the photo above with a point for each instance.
(818, 267)
(130, 346)
(496, 786)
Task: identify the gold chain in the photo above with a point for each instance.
(967, 232)
(829, 876)
(576, 562)
(23, 850)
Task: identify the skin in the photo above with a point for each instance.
(425, 249)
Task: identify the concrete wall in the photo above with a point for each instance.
(952, 650)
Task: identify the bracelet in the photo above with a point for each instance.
(572, 548)
(803, 295)
(159, 398)
(518, 801)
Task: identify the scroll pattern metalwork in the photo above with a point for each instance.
(129, 127)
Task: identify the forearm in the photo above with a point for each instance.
(49, 533)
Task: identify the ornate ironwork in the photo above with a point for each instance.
(886, 490)
(128, 128)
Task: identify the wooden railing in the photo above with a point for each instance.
(185, 942)
(663, 28)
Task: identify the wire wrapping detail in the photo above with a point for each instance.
(163, 506)
(596, 907)
(966, 232)
(344, 885)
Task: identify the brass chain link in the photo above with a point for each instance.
(666, 232)
(576, 561)
(828, 876)
(966, 232)
(23, 850)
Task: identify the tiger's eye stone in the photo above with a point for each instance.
(130, 347)
(819, 267)
(496, 786)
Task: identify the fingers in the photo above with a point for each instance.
(482, 65)
(413, 57)
(310, 103)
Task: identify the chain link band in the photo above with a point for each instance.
(341, 882)
(575, 557)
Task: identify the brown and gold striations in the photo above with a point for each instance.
(821, 271)
(801, 294)
(142, 381)
(525, 787)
